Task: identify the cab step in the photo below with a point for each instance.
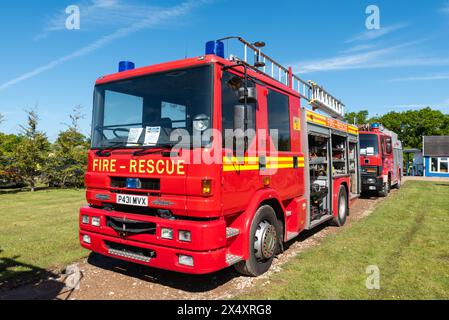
(232, 259)
(232, 232)
(292, 235)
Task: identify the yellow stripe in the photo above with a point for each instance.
(316, 115)
(243, 163)
(238, 167)
(280, 166)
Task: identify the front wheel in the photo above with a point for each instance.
(343, 208)
(385, 190)
(263, 244)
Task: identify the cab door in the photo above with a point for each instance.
(240, 173)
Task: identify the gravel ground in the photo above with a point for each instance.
(105, 278)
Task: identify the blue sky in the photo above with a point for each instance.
(404, 64)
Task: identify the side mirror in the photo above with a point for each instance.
(389, 146)
(250, 93)
(243, 119)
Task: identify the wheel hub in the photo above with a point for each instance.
(265, 241)
(342, 207)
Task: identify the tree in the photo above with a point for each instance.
(68, 159)
(412, 125)
(32, 152)
(8, 172)
(360, 117)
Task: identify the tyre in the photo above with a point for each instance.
(343, 208)
(385, 190)
(264, 243)
(398, 185)
(389, 184)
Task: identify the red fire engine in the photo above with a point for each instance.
(381, 159)
(158, 207)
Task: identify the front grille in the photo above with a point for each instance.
(147, 184)
(128, 226)
(370, 174)
(130, 252)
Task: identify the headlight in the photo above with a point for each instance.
(167, 233)
(184, 236)
(96, 221)
(86, 239)
(185, 260)
(201, 122)
(85, 219)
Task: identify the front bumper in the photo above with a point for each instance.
(371, 183)
(207, 246)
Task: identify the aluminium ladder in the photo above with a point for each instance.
(317, 97)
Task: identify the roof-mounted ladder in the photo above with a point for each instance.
(317, 97)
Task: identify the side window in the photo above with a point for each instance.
(230, 97)
(382, 145)
(279, 118)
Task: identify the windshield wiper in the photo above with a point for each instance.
(106, 152)
(159, 147)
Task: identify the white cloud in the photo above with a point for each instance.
(389, 57)
(96, 14)
(369, 35)
(433, 77)
(358, 48)
(152, 20)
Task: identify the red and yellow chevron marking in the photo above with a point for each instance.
(353, 130)
(252, 163)
(316, 118)
(331, 123)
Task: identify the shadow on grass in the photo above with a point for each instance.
(24, 189)
(33, 284)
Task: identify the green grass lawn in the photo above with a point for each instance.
(38, 231)
(407, 237)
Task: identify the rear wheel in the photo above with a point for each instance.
(343, 208)
(398, 185)
(264, 243)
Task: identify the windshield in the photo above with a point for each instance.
(145, 111)
(369, 144)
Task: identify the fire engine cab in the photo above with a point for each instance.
(381, 159)
(209, 200)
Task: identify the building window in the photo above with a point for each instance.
(439, 165)
(279, 118)
(434, 165)
(444, 165)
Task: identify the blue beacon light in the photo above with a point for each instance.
(125, 66)
(216, 48)
(375, 126)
